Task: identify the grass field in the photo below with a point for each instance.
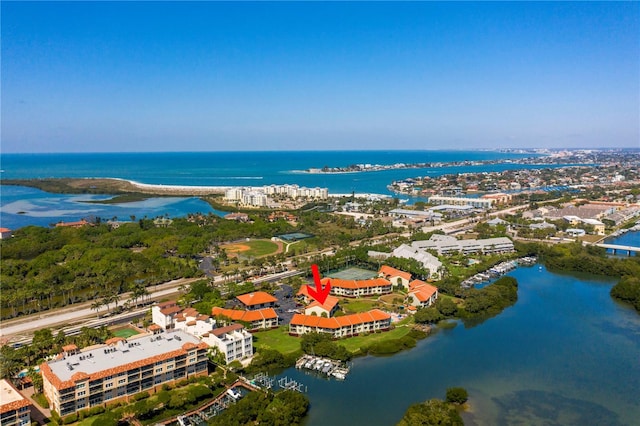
(280, 340)
(277, 339)
(355, 306)
(253, 248)
(353, 344)
(125, 332)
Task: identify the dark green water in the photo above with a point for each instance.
(564, 354)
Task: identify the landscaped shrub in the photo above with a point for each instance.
(71, 418)
(139, 396)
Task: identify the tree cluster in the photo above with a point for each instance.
(285, 408)
(320, 344)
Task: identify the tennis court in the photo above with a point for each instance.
(294, 236)
(354, 274)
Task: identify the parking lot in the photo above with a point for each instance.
(286, 303)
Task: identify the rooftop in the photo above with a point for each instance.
(256, 298)
(10, 398)
(117, 356)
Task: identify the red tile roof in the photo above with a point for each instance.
(242, 315)
(422, 290)
(256, 298)
(388, 271)
(338, 322)
(170, 310)
(328, 304)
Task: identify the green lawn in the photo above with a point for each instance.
(277, 339)
(125, 332)
(260, 248)
(280, 340)
(357, 305)
(353, 344)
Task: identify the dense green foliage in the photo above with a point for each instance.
(578, 258)
(628, 290)
(321, 344)
(491, 299)
(268, 360)
(457, 395)
(388, 347)
(431, 412)
(45, 268)
(285, 408)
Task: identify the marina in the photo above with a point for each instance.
(324, 366)
(497, 271)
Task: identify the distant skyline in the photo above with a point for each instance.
(218, 76)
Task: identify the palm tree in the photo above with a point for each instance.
(96, 305)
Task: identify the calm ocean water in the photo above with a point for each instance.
(23, 206)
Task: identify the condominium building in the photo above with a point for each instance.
(446, 244)
(344, 326)
(120, 369)
(15, 409)
(358, 288)
(394, 275)
(422, 295)
(483, 203)
(233, 341)
(257, 300)
(255, 319)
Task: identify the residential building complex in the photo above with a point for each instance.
(255, 319)
(257, 300)
(398, 278)
(422, 295)
(15, 409)
(482, 203)
(233, 341)
(358, 288)
(344, 326)
(446, 244)
(120, 369)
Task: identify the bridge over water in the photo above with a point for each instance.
(617, 247)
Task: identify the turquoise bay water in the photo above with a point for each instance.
(564, 354)
(22, 206)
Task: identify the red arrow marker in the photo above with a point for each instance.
(319, 293)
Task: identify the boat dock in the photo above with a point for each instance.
(497, 271)
(325, 366)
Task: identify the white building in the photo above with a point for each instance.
(233, 341)
(483, 203)
(445, 244)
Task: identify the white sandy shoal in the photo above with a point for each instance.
(183, 189)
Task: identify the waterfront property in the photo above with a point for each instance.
(344, 326)
(446, 244)
(358, 288)
(15, 409)
(120, 369)
(255, 319)
(422, 295)
(233, 342)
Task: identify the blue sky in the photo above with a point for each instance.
(208, 76)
